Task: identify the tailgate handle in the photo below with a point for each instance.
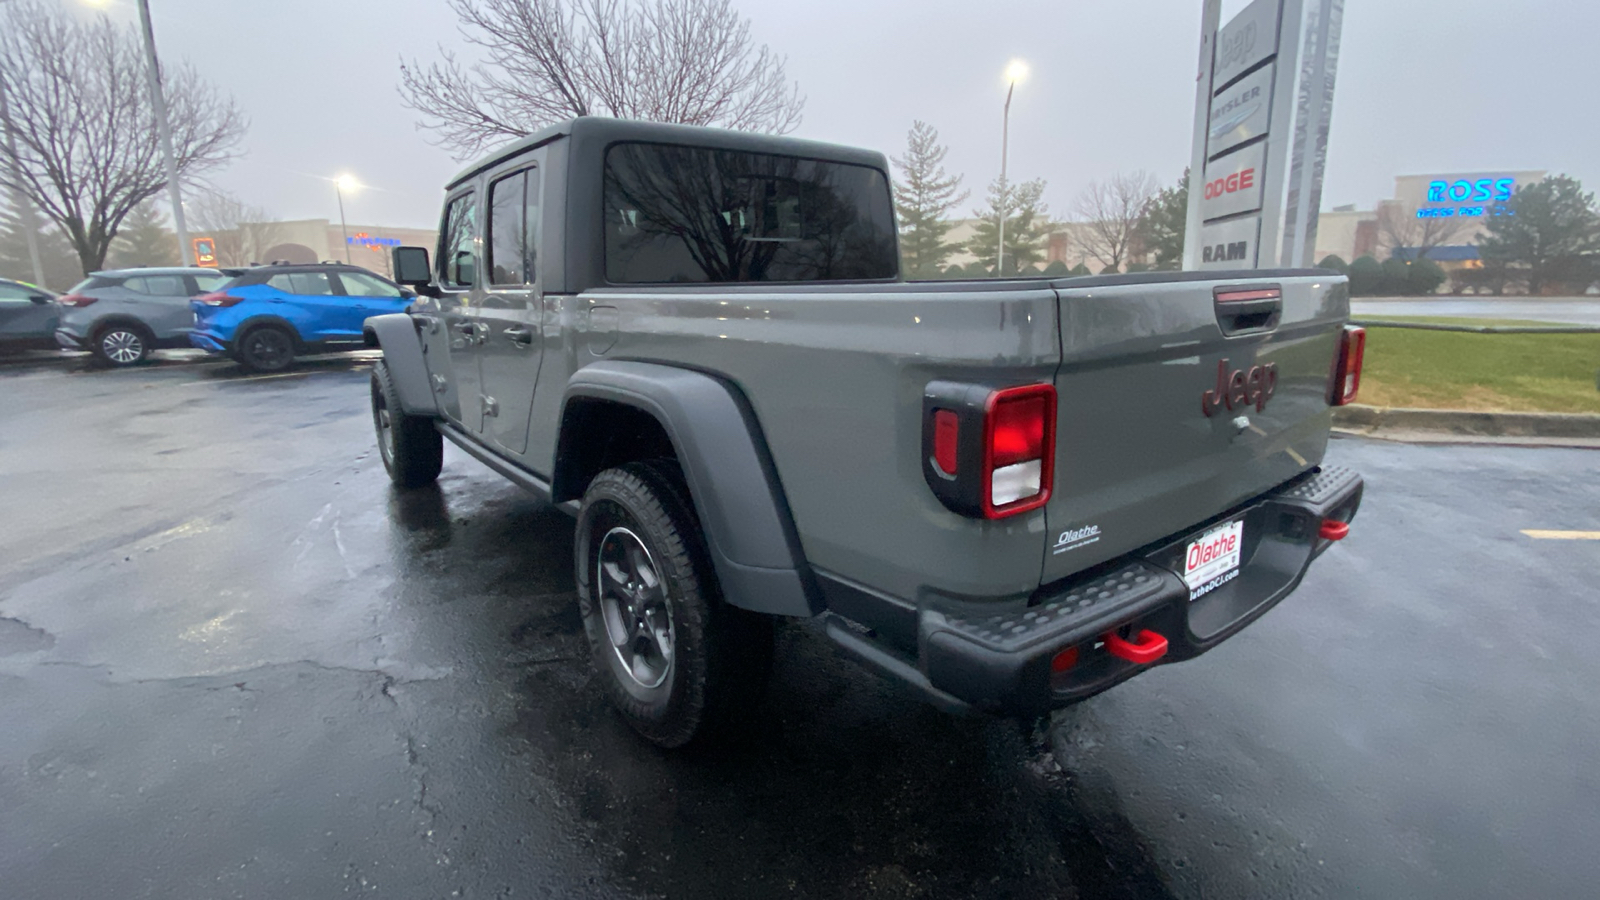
(1247, 308)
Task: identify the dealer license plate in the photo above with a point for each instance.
(1213, 560)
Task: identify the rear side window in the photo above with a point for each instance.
(210, 282)
(158, 285)
(310, 283)
(513, 228)
(688, 214)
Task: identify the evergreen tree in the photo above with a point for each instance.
(924, 194)
(144, 240)
(60, 261)
(1335, 262)
(1027, 226)
(1162, 226)
(1057, 268)
(1549, 232)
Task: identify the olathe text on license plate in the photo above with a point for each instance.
(1213, 560)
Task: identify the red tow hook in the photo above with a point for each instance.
(1151, 647)
(1333, 530)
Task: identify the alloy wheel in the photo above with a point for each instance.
(122, 347)
(634, 607)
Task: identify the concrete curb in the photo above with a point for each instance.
(1375, 420)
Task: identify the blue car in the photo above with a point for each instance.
(267, 316)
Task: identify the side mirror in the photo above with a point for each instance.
(411, 267)
(407, 294)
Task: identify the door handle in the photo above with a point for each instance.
(519, 335)
(467, 328)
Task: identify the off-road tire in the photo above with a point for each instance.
(411, 448)
(121, 345)
(722, 655)
(265, 348)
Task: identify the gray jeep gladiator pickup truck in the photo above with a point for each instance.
(1009, 494)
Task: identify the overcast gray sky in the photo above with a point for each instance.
(1424, 86)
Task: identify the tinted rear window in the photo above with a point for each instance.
(687, 214)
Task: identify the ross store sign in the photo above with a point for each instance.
(1233, 183)
(1466, 197)
(1240, 112)
(362, 239)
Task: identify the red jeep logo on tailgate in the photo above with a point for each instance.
(1239, 389)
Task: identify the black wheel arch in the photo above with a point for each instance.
(617, 411)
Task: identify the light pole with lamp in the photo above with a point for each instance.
(158, 102)
(340, 185)
(1015, 72)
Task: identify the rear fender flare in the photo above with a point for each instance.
(396, 334)
(743, 513)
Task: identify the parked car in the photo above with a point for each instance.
(268, 315)
(28, 316)
(122, 315)
(1010, 495)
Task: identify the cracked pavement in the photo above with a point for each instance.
(235, 663)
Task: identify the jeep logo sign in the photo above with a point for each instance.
(1251, 37)
(1240, 389)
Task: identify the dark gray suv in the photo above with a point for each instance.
(121, 315)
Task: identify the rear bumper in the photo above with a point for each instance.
(973, 657)
(208, 343)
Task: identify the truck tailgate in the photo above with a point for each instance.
(1142, 451)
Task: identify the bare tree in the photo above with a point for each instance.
(685, 61)
(243, 233)
(1110, 212)
(86, 151)
(1397, 231)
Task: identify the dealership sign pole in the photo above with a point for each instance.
(1263, 98)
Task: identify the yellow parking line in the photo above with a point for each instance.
(1562, 535)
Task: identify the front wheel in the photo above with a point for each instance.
(122, 345)
(678, 662)
(266, 348)
(411, 448)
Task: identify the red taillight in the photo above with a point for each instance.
(219, 298)
(1347, 369)
(946, 432)
(1019, 434)
(75, 300)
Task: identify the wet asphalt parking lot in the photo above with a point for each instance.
(235, 663)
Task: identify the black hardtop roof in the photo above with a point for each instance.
(607, 130)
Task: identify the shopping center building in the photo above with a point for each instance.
(1442, 214)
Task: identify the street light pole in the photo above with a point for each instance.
(1005, 190)
(158, 102)
(1014, 73)
(338, 187)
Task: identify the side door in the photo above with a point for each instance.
(22, 318)
(511, 313)
(457, 276)
(366, 296)
(162, 303)
(306, 300)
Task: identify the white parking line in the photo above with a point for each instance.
(1562, 535)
